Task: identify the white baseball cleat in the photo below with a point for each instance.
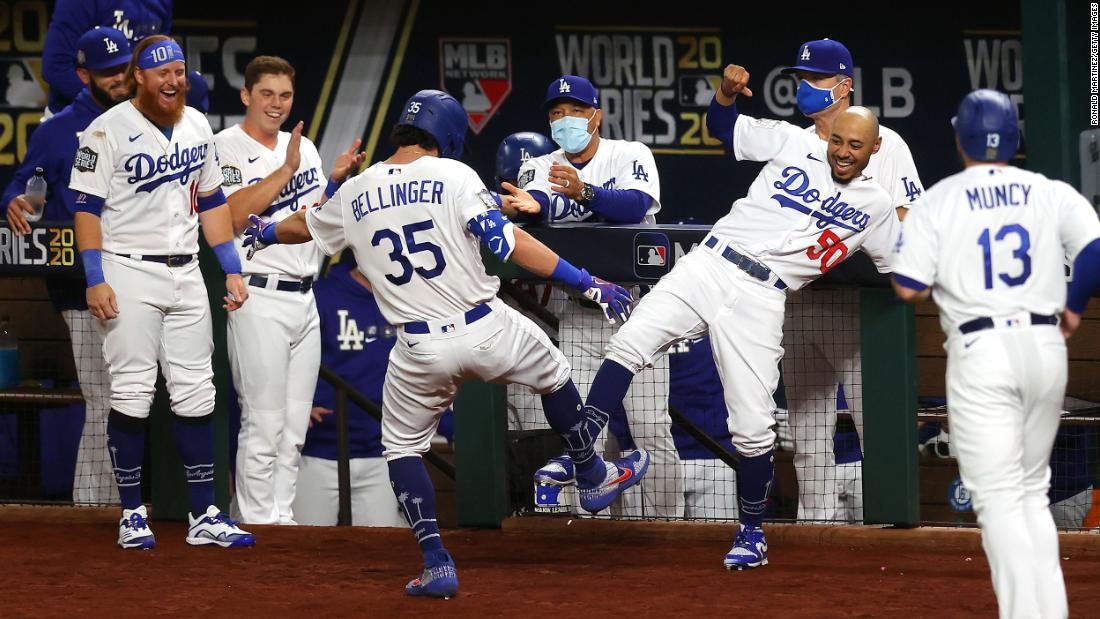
(216, 527)
(134, 531)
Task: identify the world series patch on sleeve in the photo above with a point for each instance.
(49, 249)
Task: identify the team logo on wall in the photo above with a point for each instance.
(477, 72)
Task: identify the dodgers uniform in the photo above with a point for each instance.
(584, 331)
(356, 343)
(822, 349)
(695, 389)
(274, 340)
(992, 242)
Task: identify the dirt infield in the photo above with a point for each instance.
(63, 562)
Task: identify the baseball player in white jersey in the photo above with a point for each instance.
(599, 180)
(414, 222)
(821, 334)
(146, 174)
(991, 242)
(808, 209)
(274, 341)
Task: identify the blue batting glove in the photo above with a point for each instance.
(259, 235)
(614, 300)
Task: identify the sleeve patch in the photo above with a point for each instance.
(526, 178)
(86, 159)
(487, 199)
(231, 175)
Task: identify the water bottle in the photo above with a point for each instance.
(9, 355)
(36, 194)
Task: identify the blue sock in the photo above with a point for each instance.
(609, 388)
(195, 443)
(754, 478)
(416, 495)
(577, 428)
(126, 443)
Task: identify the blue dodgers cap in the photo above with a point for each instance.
(198, 92)
(102, 48)
(572, 87)
(823, 56)
(160, 53)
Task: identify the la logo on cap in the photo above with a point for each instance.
(563, 86)
(806, 53)
(112, 47)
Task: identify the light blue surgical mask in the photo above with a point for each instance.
(812, 99)
(571, 132)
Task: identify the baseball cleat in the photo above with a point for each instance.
(134, 531)
(551, 482)
(621, 474)
(439, 580)
(750, 549)
(216, 527)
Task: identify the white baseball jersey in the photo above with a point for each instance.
(892, 167)
(244, 162)
(407, 226)
(992, 240)
(617, 164)
(796, 219)
(150, 182)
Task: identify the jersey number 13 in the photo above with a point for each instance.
(1022, 239)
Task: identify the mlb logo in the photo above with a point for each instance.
(448, 328)
(651, 255)
(477, 72)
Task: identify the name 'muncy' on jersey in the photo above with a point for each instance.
(150, 183)
(244, 162)
(407, 226)
(798, 220)
(617, 164)
(993, 241)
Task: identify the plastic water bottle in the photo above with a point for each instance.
(36, 194)
(9, 355)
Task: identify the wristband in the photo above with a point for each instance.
(228, 257)
(93, 266)
(571, 275)
(332, 188)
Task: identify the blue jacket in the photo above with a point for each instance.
(53, 147)
(695, 390)
(136, 19)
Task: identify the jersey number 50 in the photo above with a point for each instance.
(398, 251)
(1020, 253)
(829, 250)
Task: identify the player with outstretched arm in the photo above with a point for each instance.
(414, 222)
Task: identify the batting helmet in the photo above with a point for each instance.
(441, 116)
(518, 148)
(987, 126)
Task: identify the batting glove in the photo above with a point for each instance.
(259, 235)
(614, 300)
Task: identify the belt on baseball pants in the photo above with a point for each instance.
(980, 324)
(472, 316)
(172, 261)
(746, 264)
(302, 286)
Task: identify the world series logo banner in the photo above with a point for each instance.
(477, 72)
(655, 84)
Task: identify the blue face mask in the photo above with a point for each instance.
(812, 99)
(571, 133)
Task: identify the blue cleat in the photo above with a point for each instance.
(551, 482)
(438, 580)
(134, 531)
(558, 471)
(621, 474)
(750, 549)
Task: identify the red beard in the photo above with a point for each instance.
(150, 104)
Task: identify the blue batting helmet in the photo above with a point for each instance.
(517, 148)
(987, 126)
(441, 116)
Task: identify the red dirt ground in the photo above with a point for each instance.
(56, 564)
